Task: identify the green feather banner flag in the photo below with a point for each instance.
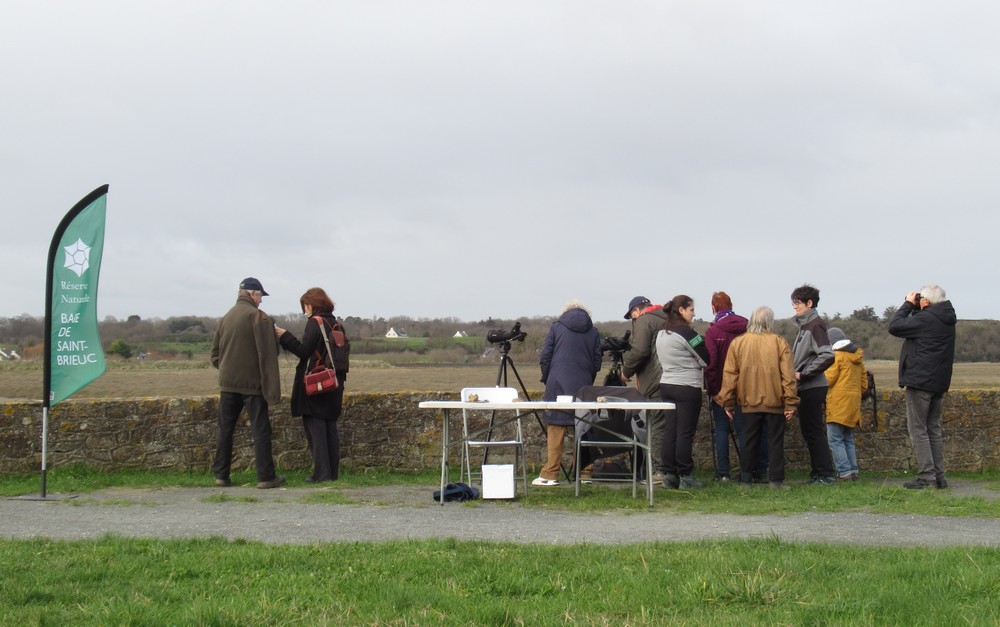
(74, 344)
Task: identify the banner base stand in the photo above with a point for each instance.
(39, 497)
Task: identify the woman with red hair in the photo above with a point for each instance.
(321, 411)
(726, 326)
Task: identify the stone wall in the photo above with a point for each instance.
(390, 431)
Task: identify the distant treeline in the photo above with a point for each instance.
(978, 340)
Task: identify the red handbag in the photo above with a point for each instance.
(322, 378)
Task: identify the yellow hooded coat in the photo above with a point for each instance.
(847, 380)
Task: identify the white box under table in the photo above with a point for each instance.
(498, 481)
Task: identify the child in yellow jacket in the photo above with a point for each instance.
(847, 380)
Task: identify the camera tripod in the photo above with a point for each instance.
(614, 376)
(506, 362)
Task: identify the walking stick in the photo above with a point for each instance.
(711, 422)
(736, 445)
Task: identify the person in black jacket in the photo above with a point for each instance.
(926, 321)
(320, 411)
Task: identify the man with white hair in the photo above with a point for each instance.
(245, 350)
(926, 322)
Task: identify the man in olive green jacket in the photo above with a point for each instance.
(640, 361)
(245, 350)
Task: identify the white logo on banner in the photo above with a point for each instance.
(77, 257)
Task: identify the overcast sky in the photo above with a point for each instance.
(473, 159)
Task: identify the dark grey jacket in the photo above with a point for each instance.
(812, 351)
(928, 353)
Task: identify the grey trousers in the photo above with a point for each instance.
(656, 422)
(923, 421)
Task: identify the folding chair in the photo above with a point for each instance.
(601, 425)
(496, 395)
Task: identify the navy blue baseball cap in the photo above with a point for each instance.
(252, 285)
(638, 301)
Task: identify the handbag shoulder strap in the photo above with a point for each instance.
(326, 340)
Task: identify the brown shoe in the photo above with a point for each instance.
(223, 483)
(278, 481)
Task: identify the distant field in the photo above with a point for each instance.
(133, 381)
(194, 378)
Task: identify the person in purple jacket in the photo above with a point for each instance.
(570, 359)
(726, 327)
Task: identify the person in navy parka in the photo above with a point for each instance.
(570, 359)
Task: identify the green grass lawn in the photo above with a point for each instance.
(214, 581)
(217, 582)
(877, 493)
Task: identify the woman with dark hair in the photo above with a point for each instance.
(683, 357)
(321, 411)
(813, 354)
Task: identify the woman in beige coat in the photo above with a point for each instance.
(759, 377)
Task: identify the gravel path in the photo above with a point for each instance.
(407, 512)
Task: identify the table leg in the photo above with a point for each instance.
(649, 462)
(444, 453)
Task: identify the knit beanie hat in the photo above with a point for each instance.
(835, 335)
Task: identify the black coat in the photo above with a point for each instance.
(925, 361)
(324, 406)
(570, 359)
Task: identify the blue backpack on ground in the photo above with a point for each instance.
(457, 492)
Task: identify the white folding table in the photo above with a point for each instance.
(524, 407)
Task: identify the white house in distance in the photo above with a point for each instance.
(392, 332)
(460, 334)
